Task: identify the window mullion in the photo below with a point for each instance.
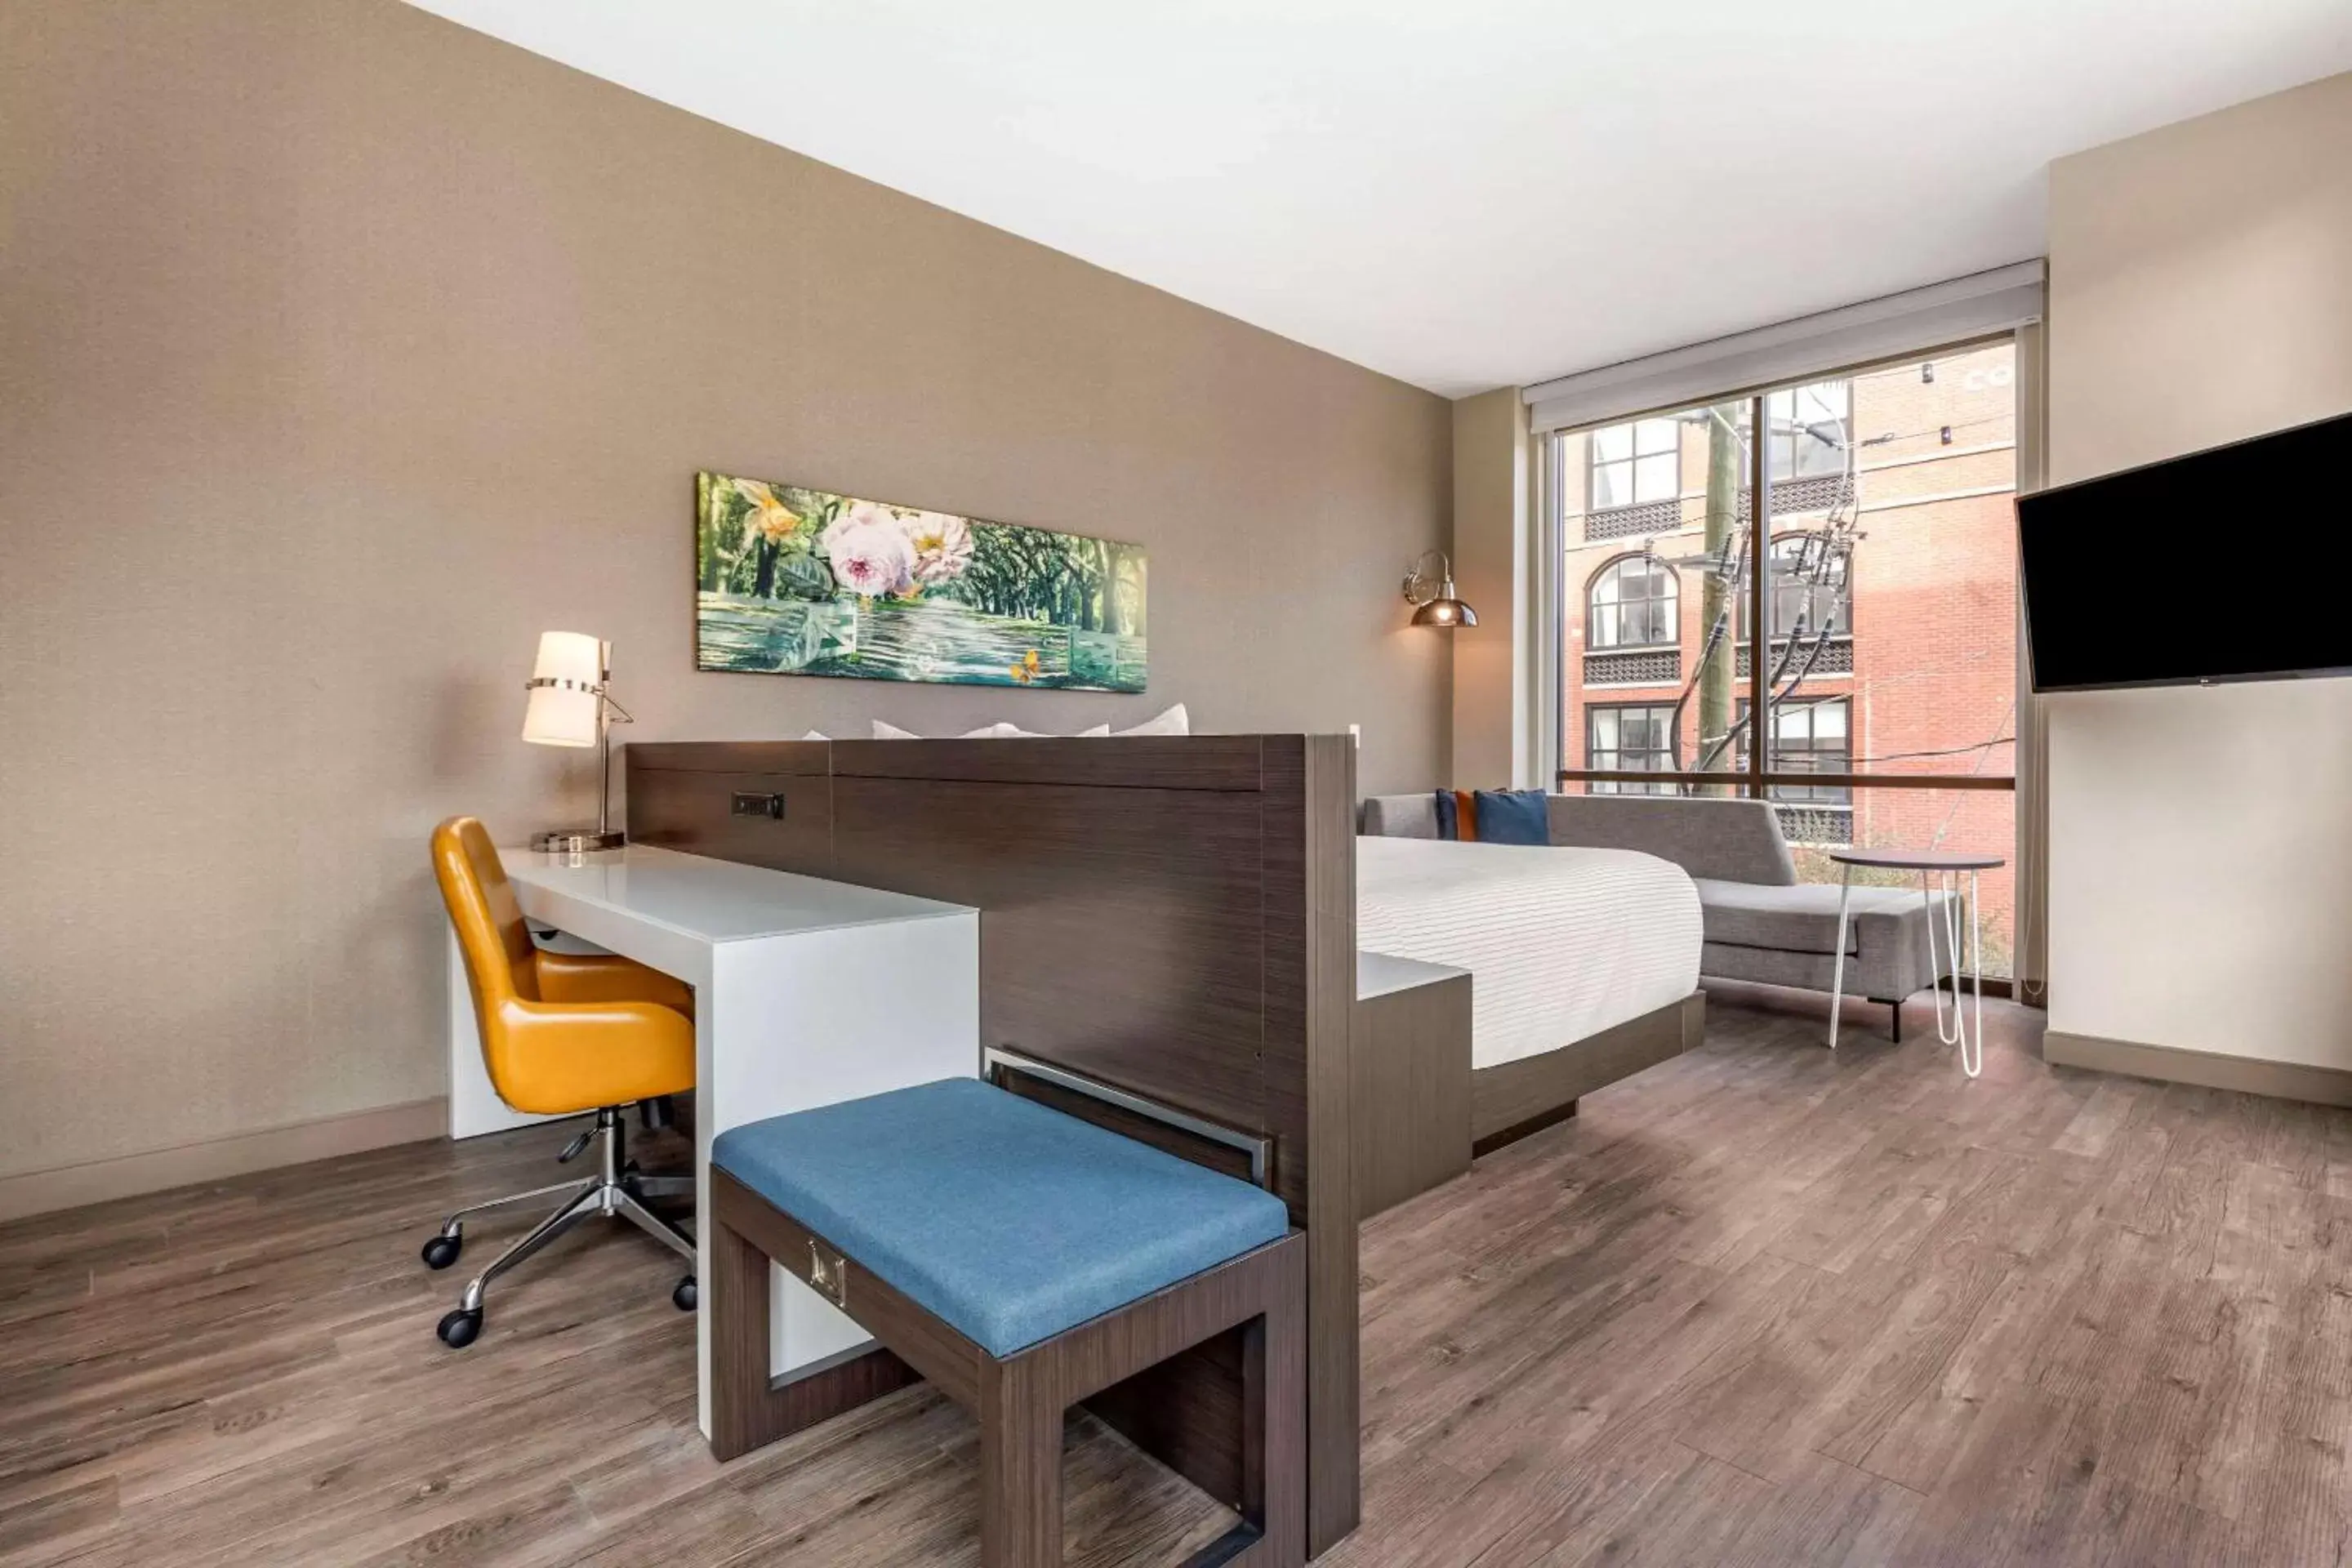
(1760, 575)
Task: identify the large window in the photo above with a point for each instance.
(1630, 735)
(1632, 603)
(1635, 462)
(1875, 702)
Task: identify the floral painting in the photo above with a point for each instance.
(793, 581)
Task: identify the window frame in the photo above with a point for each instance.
(1809, 707)
(1782, 630)
(1775, 434)
(1672, 598)
(1631, 463)
(1757, 778)
(1671, 751)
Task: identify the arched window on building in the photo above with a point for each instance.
(1632, 602)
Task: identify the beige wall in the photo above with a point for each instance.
(2200, 291)
(1493, 669)
(342, 350)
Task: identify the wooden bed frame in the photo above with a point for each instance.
(1511, 1100)
(1423, 1113)
(1173, 916)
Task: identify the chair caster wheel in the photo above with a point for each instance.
(685, 1297)
(442, 1250)
(460, 1328)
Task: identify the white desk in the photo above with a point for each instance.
(806, 992)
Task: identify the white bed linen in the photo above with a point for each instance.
(1560, 943)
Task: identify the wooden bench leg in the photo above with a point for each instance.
(737, 1302)
(1273, 1504)
(1020, 1466)
(748, 1407)
(1273, 1433)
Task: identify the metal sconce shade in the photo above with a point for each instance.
(1445, 610)
(1440, 608)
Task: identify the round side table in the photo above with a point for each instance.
(1939, 870)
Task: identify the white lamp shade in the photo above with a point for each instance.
(565, 705)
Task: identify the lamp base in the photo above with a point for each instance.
(578, 840)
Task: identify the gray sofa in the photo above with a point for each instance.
(1761, 925)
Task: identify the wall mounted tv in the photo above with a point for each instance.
(2171, 574)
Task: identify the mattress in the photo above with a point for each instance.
(1560, 943)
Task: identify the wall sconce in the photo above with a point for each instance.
(1433, 598)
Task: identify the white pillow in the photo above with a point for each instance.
(1175, 721)
(1015, 732)
(816, 736)
(1006, 729)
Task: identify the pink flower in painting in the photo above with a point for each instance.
(869, 550)
(941, 544)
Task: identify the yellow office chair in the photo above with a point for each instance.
(561, 1034)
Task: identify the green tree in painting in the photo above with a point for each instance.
(760, 541)
(1028, 574)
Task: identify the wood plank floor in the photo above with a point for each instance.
(1760, 1305)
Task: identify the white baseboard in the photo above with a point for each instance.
(2208, 1069)
(71, 1186)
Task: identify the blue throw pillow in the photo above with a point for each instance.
(1513, 816)
(1446, 826)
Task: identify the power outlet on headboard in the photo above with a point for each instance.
(746, 804)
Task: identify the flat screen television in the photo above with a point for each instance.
(2173, 575)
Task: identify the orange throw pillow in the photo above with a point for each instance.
(1465, 815)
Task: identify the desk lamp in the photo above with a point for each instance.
(571, 705)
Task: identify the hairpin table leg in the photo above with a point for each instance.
(1837, 965)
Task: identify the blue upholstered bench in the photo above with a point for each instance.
(1020, 1260)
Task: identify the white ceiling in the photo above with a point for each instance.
(1464, 195)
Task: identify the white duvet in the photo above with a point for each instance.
(1560, 943)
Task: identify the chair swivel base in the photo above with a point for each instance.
(618, 1190)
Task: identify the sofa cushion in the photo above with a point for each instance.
(1730, 840)
(1009, 1221)
(1802, 918)
(1513, 816)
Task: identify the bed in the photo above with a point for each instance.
(1583, 962)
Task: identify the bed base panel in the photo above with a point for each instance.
(1512, 1099)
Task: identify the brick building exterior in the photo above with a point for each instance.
(1907, 473)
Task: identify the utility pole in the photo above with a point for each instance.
(1725, 466)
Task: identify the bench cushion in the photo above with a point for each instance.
(1009, 1221)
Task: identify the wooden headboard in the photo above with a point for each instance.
(1173, 915)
